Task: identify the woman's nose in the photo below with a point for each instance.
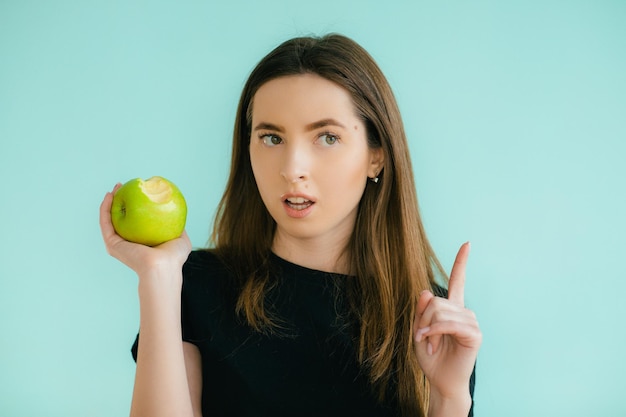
(295, 164)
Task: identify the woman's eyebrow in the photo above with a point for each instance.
(323, 123)
(269, 126)
(311, 126)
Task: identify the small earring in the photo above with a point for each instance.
(375, 180)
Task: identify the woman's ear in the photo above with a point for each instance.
(377, 160)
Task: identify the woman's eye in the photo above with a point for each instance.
(328, 139)
(271, 140)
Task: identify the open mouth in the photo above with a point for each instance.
(298, 203)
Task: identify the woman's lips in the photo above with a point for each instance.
(297, 206)
(298, 203)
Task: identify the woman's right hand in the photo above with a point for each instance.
(142, 259)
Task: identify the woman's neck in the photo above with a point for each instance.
(312, 253)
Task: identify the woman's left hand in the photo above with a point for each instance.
(447, 338)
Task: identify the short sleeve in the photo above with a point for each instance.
(134, 347)
(193, 296)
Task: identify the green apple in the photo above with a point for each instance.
(149, 212)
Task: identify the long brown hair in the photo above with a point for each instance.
(389, 254)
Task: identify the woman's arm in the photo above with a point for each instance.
(193, 364)
(161, 385)
(448, 407)
(167, 373)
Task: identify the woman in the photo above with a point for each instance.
(318, 296)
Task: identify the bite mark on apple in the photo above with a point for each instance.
(156, 189)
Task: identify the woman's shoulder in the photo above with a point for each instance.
(207, 281)
(204, 266)
(202, 259)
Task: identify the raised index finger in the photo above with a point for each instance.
(456, 286)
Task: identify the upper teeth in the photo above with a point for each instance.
(297, 200)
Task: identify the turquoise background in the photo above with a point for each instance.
(516, 114)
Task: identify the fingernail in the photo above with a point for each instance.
(423, 292)
(420, 333)
(429, 349)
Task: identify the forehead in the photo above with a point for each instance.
(303, 96)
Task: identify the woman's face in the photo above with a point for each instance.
(310, 159)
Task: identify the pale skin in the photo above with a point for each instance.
(307, 141)
(306, 144)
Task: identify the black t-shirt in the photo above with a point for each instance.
(308, 369)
